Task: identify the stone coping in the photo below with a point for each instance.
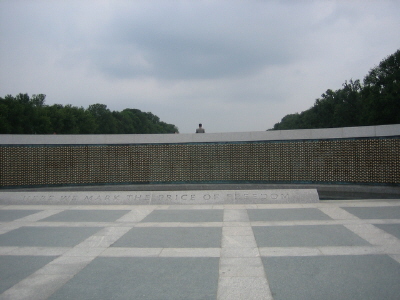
(302, 134)
(325, 191)
(161, 197)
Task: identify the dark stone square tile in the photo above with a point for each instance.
(15, 268)
(382, 212)
(393, 229)
(364, 277)
(86, 216)
(289, 214)
(171, 237)
(8, 215)
(144, 278)
(306, 236)
(46, 236)
(185, 215)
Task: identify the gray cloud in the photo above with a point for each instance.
(233, 65)
(192, 43)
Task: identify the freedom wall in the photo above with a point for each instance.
(353, 155)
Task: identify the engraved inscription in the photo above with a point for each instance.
(147, 197)
(164, 197)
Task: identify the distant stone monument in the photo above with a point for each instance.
(200, 129)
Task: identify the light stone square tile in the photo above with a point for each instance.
(236, 218)
(251, 206)
(190, 252)
(40, 251)
(84, 251)
(251, 261)
(351, 250)
(386, 221)
(136, 215)
(290, 251)
(113, 231)
(200, 224)
(240, 252)
(337, 213)
(246, 288)
(391, 249)
(7, 250)
(69, 224)
(235, 206)
(156, 224)
(131, 252)
(65, 260)
(241, 267)
(61, 269)
(40, 215)
(236, 224)
(98, 241)
(235, 215)
(241, 271)
(218, 206)
(179, 224)
(309, 205)
(263, 206)
(157, 206)
(383, 241)
(238, 241)
(294, 223)
(228, 231)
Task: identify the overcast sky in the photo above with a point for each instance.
(231, 65)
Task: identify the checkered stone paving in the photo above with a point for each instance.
(326, 250)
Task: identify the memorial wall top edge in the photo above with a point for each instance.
(301, 134)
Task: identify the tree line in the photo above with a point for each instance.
(23, 114)
(375, 101)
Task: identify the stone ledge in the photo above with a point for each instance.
(278, 196)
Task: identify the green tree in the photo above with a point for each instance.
(85, 121)
(347, 108)
(38, 100)
(381, 92)
(5, 126)
(30, 115)
(375, 102)
(106, 123)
